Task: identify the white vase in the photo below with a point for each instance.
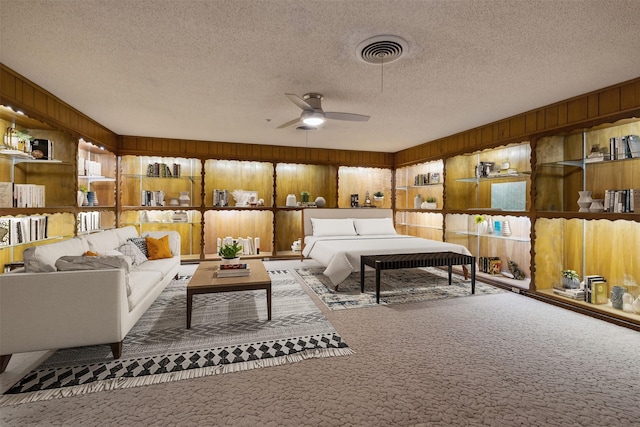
(320, 202)
(184, 198)
(417, 202)
(225, 261)
(596, 206)
(291, 201)
(584, 201)
(506, 228)
(80, 198)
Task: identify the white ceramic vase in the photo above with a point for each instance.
(225, 261)
(506, 228)
(80, 198)
(417, 202)
(596, 205)
(584, 201)
(184, 198)
(291, 201)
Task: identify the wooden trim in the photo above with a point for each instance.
(22, 94)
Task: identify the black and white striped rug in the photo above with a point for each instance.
(229, 332)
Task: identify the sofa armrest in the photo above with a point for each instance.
(42, 311)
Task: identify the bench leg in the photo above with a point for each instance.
(450, 270)
(473, 276)
(361, 276)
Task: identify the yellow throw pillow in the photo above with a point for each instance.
(90, 253)
(158, 248)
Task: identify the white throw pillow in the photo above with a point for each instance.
(132, 251)
(333, 227)
(373, 226)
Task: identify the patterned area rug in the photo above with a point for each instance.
(396, 287)
(229, 332)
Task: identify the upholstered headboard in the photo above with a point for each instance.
(307, 214)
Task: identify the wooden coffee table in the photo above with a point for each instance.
(204, 281)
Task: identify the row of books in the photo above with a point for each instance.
(595, 290)
(490, 265)
(427, 178)
(89, 167)
(152, 198)
(621, 201)
(14, 231)
(624, 147)
(233, 270)
(88, 221)
(164, 170)
(23, 195)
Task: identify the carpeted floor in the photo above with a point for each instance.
(396, 287)
(499, 360)
(230, 332)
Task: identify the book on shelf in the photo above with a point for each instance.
(595, 288)
(577, 294)
(622, 201)
(14, 231)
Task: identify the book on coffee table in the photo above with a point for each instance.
(233, 272)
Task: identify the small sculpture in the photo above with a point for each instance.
(515, 270)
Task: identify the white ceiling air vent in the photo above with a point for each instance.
(381, 49)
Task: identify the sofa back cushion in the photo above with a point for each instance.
(42, 259)
(125, 233)
(103, 241)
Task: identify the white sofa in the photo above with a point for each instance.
(61, 309)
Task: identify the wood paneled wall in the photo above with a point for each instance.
(22, 94)
(612, 103)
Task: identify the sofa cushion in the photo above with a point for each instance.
(42, 259)
(103, 241)
(174, 239)
(164, 266)
(142, 282)
(132, 251)
(125, 233)
(158, 248)
(141, 243)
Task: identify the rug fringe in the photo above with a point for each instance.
(122, 383)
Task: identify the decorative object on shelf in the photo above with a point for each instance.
(584, 201)
(627, 302)
(367, 199)
(417, 201)
(291, 201)
(174, 201)
(617, 293)
(378, 197)
(260, 202)
(489, 229)
(245, 198)
(497, 228)
(515, 270)
(304, 196)
(320, 202)
(297, 245)
(91, 197)
(355, 200)
(506, 228)
(636, 305)
(230, 252)
(430, 203)
(180, 216)
(570, 279)
(184, 198)
(596, 155)
(80, 198)
(596, 205)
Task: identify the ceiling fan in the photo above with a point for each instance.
(312, 113)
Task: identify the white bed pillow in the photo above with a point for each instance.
(371, 226)
(333, 227)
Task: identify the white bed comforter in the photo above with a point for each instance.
(341, 254)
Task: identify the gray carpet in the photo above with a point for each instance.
(229, 332)
(498, 360)
(396, 287)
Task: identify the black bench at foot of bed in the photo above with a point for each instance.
(430, 259)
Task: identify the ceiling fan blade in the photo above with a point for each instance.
(346, 116)
(289, 123)
(299, 101)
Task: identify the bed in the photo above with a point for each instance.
(337, 238)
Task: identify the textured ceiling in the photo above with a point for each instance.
(218, 70)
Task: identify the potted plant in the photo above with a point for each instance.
(378, 196)
(431, 203)
(230, 253)
(570, 279)
(304, 197)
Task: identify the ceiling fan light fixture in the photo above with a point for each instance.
(313, 121)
